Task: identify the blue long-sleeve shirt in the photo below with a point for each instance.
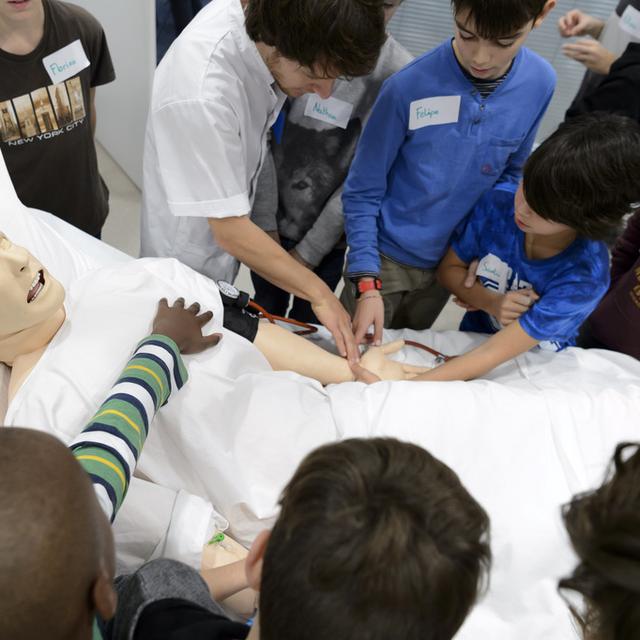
(412, 183)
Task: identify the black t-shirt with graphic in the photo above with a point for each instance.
(45, 126)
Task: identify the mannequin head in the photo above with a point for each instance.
(31, 310)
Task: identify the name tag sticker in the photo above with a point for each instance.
(495, 273)
(430, 111)
(66, 62)
(630, 21)
(330, 110)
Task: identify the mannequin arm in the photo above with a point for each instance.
(286, 351)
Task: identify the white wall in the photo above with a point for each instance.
(122, 105)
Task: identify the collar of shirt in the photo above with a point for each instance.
(253, 59)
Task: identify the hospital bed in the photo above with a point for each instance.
(523, 440)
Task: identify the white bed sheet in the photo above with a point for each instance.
(540, 429)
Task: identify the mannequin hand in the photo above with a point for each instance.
(298, 258)
(184, 326)
(577, 23)
(369, 311)
(592, 55)
(333, 316)
(361, 374)
(376, 363)
(509, 306)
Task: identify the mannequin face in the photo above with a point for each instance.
(30, 295)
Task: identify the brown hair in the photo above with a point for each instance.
(376, 539)
(604, 528)
(334, 37)
(496, 19)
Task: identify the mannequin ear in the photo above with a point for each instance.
(253, 563)
(105, 599)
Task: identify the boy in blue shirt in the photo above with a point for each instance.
(451, 125)
(542, 263)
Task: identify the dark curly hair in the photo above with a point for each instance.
(376, 539)
(604, 528)
(335, 37)
(587, 174)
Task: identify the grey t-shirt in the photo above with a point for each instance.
(299, 192)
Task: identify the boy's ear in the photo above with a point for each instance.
(253, 562)
(549, 6)
(105, 599)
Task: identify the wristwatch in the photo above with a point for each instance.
(362, 286)
(232, 297)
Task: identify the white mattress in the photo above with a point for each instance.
(523, 441)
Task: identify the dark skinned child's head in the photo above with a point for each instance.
(56, 548)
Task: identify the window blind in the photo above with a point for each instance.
(419, 25)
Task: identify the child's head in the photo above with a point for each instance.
(326, 38)
(376, 539)
(604, 528)
(585, 175)
(56, 547)
(489, 33)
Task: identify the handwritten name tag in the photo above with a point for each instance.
(330, 110)
(66, 62)
(495, 272)
(630, 21)
(430, 111)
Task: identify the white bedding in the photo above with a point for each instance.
(523, 441)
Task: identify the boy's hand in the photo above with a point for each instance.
(334, 317)
(376, 363)
(577, 23)
(592, 55)
(369, 311)
(509, 306)
(468, 283)
(184, 326)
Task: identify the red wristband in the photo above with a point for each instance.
(362, 286)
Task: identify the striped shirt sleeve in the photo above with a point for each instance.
(109, 446)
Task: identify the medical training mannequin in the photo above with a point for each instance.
(32, 313)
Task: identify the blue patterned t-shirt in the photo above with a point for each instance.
(570, 284)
